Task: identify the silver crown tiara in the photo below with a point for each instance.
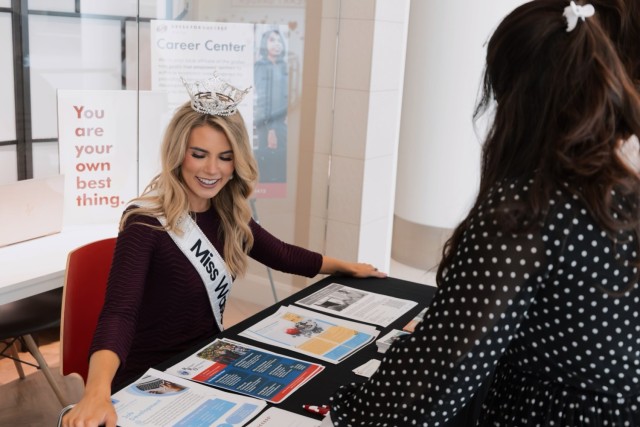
(214, 96)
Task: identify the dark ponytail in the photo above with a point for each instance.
(562, 102)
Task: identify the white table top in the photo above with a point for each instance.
(38, 265)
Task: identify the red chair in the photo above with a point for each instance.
(85, 284)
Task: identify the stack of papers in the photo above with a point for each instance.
(314, 334)
(385, 342)
(368, 369)
(275, 417)
(239, 367)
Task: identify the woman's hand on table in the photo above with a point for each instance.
(355, 269)
(91, 412)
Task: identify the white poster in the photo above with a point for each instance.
(97, 133)
(243, 55)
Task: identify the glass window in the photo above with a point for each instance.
(7, 106)
(102, 77)
(53, 5)
(70, 53)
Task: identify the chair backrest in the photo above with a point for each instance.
(85, 284)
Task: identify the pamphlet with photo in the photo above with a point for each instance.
(245, 369)
(160, 399)
(311, 333)
(357, 304)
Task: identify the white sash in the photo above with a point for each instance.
(207, 261)
(212, 269)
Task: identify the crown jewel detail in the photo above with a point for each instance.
(214, 96)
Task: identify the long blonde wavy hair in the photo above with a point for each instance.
(166, 194)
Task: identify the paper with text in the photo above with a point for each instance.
(311, 333)
(357, 304)
(245, 369)
(159, 399)
(276, 417)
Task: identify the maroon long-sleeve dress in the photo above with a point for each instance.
(156, 304)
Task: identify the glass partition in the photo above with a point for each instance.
(8, 149)
(99, 80)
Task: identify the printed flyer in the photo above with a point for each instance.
(357, 304)
(160, 399)
(239, 367)
(311, 333)
(276, 417)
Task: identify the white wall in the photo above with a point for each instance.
(363, 91)
(439, 154)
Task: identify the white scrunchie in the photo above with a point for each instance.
(574, 11)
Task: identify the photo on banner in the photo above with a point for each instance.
(271, 104)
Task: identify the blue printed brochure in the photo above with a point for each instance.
(239, 367)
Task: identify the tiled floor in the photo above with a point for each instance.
(31, 402)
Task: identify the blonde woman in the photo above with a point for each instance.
(180, 246)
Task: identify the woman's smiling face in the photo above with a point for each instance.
(207, 167)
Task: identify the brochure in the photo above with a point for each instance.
(311, 333)
(385, 342)
(358, 305)
(160, 399)
(368, 369)
(276, 417)
(245, 369)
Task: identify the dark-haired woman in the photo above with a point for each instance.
(621, 20)
(539, 283)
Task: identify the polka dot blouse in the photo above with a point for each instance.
(553, 314)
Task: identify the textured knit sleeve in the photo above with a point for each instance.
(487, 288)
(282, 256)
(125, 288)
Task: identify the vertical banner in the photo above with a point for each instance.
(243, 55)
(196, 50)
(271, 103)
(97, 132)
